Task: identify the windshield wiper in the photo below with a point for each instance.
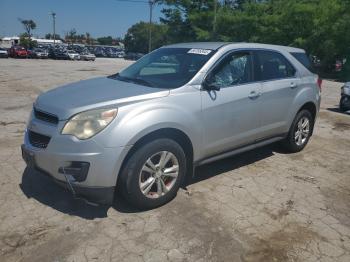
(140, 81)
(131, 79)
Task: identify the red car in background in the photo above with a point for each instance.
(338, 66)
(18, 51)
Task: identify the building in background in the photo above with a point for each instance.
(9, 41)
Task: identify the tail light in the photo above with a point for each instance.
(319, 83)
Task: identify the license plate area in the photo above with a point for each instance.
(28, 157)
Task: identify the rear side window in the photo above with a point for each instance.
(304, 60)
(272, 65)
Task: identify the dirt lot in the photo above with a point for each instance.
(264, 205)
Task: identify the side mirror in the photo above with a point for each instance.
(208, 84)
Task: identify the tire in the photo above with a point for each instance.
(293, 142)
(136, 174)
(344, 104)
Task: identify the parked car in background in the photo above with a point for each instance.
(38, 53)
(344, 104)
(18, 52)
(133, 56)
(3, 53)
(338, 66)
(120, 54)
(56, 53)
(86, 56)
(73, 55)
(142, 130)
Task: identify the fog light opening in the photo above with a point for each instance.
(77, 170)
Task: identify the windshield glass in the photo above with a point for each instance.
(166, 67)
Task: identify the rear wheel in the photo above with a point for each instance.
(153, 174)
(300, 132)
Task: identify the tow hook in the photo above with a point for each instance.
(70, 179)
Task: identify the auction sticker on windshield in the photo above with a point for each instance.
(199, 51)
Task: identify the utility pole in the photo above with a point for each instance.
(214, 22)
(54, 27)
(151, 3)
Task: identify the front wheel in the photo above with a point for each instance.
(299, 132)
(153, 174)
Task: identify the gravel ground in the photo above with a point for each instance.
(263, 205)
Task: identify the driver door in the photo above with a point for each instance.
(231, 115)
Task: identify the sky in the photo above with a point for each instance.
(98, 17)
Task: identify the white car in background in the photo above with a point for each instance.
(86, 56)
(73, 55)
(3, 53)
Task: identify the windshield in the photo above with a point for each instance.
(166, 67)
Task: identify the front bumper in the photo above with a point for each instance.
(63, 151)
(100, 195)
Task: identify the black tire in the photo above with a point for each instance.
(290, 143)
(344, 104)
(129, 177)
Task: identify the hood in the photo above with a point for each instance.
(73, 98)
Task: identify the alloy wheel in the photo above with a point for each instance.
(302, 131)
(159, 174)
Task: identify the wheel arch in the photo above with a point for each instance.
(171, 133)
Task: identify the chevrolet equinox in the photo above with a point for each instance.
(142, 130)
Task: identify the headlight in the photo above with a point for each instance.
(87, 124)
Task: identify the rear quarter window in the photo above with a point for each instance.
(304, 60)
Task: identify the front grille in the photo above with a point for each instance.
(38, 140)
(43, 116)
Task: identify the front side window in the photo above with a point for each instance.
(272, 65)
(166, 67)
(234, 69)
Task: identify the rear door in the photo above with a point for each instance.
(279, 87)
(231, 116)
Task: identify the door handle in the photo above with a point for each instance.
(254, 95)
(293, 85)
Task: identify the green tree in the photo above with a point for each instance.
(107, 40)
(136, 38)
(28, 25)
(26, 41)
(71, 36)
(321, 27)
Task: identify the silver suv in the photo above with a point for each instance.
(143, 130)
